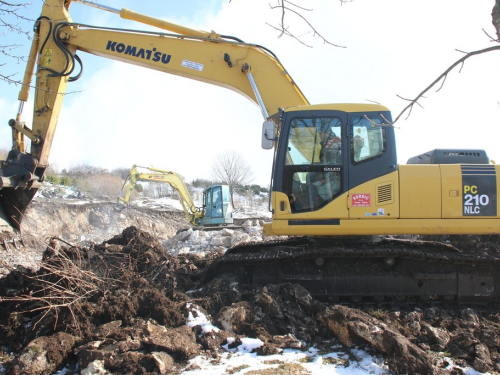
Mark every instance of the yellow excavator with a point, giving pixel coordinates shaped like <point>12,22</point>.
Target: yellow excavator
<point>216,209</point>
<point>336,181</point>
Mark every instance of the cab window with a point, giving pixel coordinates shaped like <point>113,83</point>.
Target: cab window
<point>367,138</point>
<point>314,141</point>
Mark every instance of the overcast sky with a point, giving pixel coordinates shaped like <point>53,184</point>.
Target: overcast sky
<point>118,115</point>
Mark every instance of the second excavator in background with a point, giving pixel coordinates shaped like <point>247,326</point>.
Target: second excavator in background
<point>216,209</point>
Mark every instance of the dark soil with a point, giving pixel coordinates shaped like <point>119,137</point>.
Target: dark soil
<point>123,304</point>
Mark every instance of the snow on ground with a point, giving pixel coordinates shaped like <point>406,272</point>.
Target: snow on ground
<point>241,359</point>
<point>336,361</point>
<point>49,190</point>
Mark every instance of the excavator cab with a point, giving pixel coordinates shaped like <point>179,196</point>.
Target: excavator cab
<point>217,208</point>
<point>325,152</point>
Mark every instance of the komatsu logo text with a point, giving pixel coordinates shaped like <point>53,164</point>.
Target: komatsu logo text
<point>146,54</point>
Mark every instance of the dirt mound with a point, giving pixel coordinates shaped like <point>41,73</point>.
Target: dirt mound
<point>122,307</point>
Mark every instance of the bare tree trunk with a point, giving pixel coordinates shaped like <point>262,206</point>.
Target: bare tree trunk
<point>231,168</point>
<point>495,15</point>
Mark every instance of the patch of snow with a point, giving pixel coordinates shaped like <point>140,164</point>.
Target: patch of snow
<point>451,365</point>
<point>159,203</point>
<point>310,360</point>
<point>200,320</point>
<point>248,345</point>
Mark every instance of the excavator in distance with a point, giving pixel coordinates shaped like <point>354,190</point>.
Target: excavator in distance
<point>216,210</point>
<point>335,182</point>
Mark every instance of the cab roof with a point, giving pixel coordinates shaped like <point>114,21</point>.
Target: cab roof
<point>345,107</point>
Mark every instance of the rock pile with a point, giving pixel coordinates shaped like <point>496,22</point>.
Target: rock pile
<point>199,241</point>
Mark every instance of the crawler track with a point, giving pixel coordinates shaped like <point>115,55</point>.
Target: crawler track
<point>391,269</point>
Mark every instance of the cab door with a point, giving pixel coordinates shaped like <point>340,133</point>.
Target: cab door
<point>213,205</point>
<point>217,205</point>
<point>207,203</point>
<point>310,164</point>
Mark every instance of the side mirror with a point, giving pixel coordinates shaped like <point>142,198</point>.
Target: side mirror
<point>268,135</point>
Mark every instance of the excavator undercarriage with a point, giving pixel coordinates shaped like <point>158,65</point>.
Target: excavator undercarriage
<point>388,269</point>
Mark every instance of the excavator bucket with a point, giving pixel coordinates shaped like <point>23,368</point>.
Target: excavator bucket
<point>113,217</point>
<point>17,189</point>
<point>13,203</point>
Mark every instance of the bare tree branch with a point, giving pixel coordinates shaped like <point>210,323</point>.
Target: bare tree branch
<point>61,284</point>
<point>285,30</point>
<point>489,36</point>
<point>289,34</point>
<point>12,10</point>
<point>12,21</point>
<point>443,77</point>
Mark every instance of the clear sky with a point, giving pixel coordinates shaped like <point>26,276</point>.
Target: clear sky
<point>118,115</point>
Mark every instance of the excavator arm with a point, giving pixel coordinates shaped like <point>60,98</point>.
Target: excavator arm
<point>193,213</point>
<point>251,70</point>
<point>206,57</point>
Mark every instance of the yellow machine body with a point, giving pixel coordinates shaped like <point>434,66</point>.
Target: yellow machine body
<point>415,199</point>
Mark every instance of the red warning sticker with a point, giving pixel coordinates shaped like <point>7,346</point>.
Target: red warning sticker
<point>361,200</point>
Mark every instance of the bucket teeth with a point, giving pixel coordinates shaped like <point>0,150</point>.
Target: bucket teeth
<point>13,243</point>
<point>17,243</point>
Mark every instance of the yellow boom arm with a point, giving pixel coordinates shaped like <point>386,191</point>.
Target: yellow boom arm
<point>251,70</point>
<point>248,69</point>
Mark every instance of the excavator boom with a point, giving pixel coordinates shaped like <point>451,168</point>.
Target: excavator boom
<point>251,70</point>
